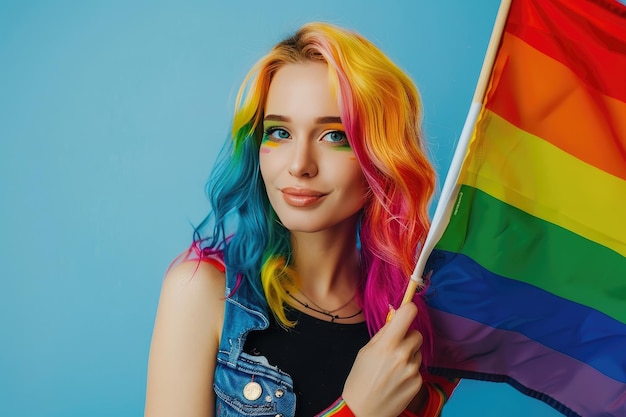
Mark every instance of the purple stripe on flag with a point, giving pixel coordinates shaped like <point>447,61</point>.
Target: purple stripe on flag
<point>466,345</point>
<point>461,286</point>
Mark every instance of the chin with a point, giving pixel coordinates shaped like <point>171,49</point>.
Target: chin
<point>304,227</point>
<point>310,224</point>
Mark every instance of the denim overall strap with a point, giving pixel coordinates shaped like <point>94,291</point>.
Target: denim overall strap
<point>243,312</point>
<point>247,385</point>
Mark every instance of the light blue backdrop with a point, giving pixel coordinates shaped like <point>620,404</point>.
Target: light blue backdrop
<point>111,113</point>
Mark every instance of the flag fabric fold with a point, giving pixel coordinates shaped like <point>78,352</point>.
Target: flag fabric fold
<point>529,276</point>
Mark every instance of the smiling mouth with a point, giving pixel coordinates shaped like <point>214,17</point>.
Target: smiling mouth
<point>300,197</point>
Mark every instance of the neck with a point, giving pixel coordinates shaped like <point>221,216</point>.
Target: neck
<point>327,262</point>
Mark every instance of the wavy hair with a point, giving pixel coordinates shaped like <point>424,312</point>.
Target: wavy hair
<point>381,112</point>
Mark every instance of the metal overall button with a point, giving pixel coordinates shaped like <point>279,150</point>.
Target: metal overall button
<point>252,391</point>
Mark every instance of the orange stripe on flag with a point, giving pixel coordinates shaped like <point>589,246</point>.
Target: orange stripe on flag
<point>552,103</point>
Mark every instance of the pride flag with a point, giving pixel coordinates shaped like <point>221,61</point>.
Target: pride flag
<point>529,270</point>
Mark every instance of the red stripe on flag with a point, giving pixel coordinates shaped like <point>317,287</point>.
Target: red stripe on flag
<point>587,36</point>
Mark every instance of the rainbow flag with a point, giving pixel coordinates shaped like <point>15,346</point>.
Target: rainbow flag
<point>529,273</point>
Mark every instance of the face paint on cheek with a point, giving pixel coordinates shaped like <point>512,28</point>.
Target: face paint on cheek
<point>346,149</point>
<point>267,146</point>
<point>343,148</point>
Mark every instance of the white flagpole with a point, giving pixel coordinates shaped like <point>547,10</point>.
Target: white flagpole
<point>450,187</point>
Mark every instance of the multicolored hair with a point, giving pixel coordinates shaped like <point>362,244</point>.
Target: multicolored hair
<point>381,112</point>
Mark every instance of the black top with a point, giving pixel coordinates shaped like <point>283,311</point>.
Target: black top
<point>317,354</point>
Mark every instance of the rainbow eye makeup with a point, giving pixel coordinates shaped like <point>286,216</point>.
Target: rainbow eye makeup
<point>271,136</point>
<point>331,134</point>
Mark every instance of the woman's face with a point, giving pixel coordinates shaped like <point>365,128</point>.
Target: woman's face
<point>311,175</point>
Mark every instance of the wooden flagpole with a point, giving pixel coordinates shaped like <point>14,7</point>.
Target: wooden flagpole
<point>450,187</point>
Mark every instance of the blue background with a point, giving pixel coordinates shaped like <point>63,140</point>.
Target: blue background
<point>111,114</point>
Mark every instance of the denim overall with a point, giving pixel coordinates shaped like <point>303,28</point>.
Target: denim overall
<point>247,385</point>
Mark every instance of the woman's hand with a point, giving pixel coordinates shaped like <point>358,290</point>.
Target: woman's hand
<point>385,376</point>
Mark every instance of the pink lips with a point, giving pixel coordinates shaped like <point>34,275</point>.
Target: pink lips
<point>300,197</point>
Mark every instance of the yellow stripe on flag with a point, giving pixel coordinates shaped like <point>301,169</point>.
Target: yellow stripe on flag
<point>535,176</point>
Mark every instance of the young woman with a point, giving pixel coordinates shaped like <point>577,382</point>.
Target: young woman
<point>319,208</point>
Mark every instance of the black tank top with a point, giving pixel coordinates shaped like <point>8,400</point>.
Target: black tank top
<point>317,354</point>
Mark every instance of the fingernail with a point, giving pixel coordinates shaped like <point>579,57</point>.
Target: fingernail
<point>392,311</point>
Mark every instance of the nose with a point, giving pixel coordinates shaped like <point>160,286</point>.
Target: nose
<point>303,160</point>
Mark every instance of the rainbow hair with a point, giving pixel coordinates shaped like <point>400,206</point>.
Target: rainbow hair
<point>381,112</point>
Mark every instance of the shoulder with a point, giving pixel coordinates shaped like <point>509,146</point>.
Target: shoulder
<point>185,340</point>
<point>192,300</point>
<point>189,276</point>
<point>193,291</point>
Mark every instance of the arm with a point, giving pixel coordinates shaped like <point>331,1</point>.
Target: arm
<point>185,342</point>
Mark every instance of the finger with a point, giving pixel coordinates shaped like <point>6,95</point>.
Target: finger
<point>418,358</point>
<point>405,322</point>
<point>402,319</point>
<point>411,346</point>
<point>414,339</point>
<point>413,343</point>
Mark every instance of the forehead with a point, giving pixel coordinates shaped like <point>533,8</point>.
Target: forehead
<point>302,89</point>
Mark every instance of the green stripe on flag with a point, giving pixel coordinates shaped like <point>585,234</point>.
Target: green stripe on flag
<point>514,244</point>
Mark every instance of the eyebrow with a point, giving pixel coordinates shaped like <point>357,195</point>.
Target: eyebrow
<point>318,120</point>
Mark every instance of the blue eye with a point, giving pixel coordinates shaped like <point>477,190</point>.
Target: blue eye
<point>276,133</point>
<point>336,137</point>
